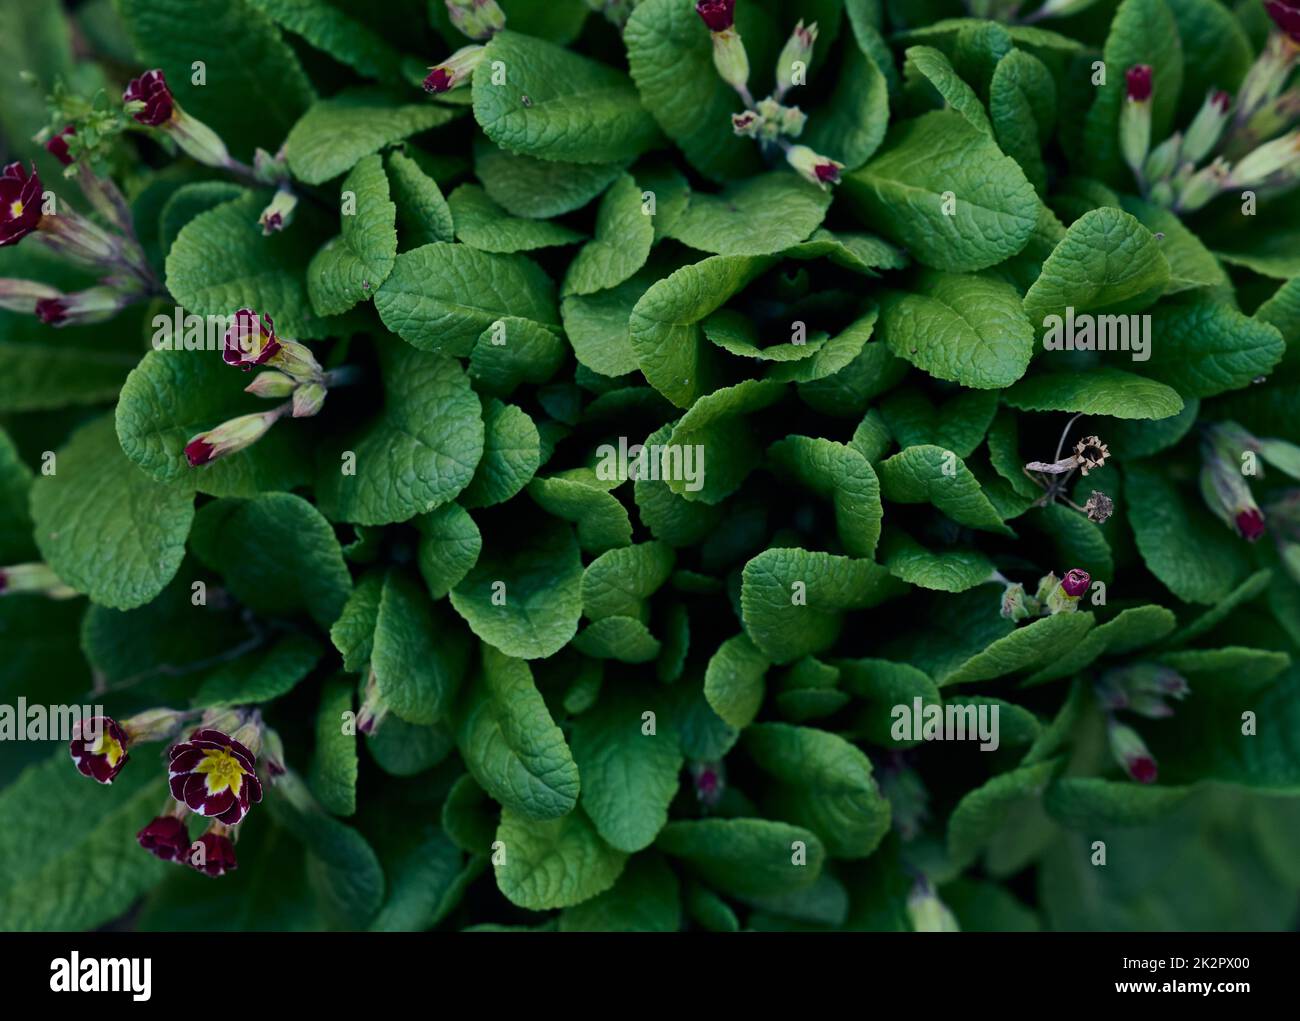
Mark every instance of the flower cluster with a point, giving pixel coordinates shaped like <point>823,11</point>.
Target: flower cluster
<point>1054,595</point>
<point>478,19</point>
<point>1253,143</point>
<point>210,774</point>
<point>770,122</point>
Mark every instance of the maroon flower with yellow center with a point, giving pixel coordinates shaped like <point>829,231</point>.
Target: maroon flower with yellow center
<point>213,774</point>
<point>250,341</point>
<point>57,146</point>
<point>20,203</point>
<point>98,748</point>
<point>215,855</point>
<point>151,90</point>
<point>166,838</point>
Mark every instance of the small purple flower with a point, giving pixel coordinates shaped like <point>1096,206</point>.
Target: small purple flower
<point>1250,524</point>
<point>165,838</point>
<point>719,15</point>
<point>1286,16</point>
<point>151,90</point>
<point>1075,582</point>
<point>1138,80</point>
<point>250,341</point>
<point>57,146</point>
<point>101,756</point>
<point>218,853</point>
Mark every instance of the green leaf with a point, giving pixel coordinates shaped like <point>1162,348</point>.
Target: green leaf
<point>985,810</point>
<point>901,192</point>
<point>823,783</point>
<point>423,215</point>
<point>1142,32</point>
<point>665,324</point>
<point>958,426</point>
<point>842,475</point>
<point>1099,390</point>
<point>333,775</point>
<point>625,639</point>
<point>733,682</point>
<point>336,133</point>
<point>469,816</point>
<point>1191,264</point>
<point>557,105</point>
<point>670,517</point>
<point>484,225</point>
<point>353,634</point>
<point>1028,646</point>
<point>850,127</point>
<point>450,544</point>
<point>944,570</point>
<point>1243,593</point>
<point>347,40</point>
<point>417,453</point>
<point>251,101</point>
<point>510,744</point>
<point>73,366</point>
<point>736,334</point>
<point>524,596</point>
<point>16,543</point>
<point>629,777</point>
<point>1194,555</point>
<point>441,297</point>
<point>105,527</point>
<point>348,268</point>
<point>1107,263</point>
<point>645,899</point>
<point>716,422</point>
<point>793,600</point>
<point>553,863</point>
<point>925,64</point>
<point>844,371</point>
<point>745,857</point>
<point>1130,629</point>
<point>511,455</point>
<point>221,262</point>
<point>760,215</point>
<point>884,685</point>
<point>1022,106</point>
<point>930,474</point>
<point>581,497</point>
<point>618,582</point>
<point>45,883</point>
<point>862,253</point>
<point>969,329</point>
<point>1216,49</point>
<point>172,396</point>
<point>419,654</point>
<point>671,59</point>
<point>624,234</point>
<point>1205,348</point>
<point>189,201</point>
<point>277,554</point>
<point>513,351</point>
<point>524,186</point>
<point>597,325</point>
<point>1084,802</point>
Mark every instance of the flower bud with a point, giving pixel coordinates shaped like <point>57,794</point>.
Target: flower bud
<point>1207,126</point>
<point>271,384</point>
<point>709,779</point>
<point>820,170</point>
<point>455,71</point>
<point>373,707</point>
<point>214,775</point>
<point>297,361</point>
<point>160,724</point>
<point>167,837</point>
<point>149,100</point>
<point>718,15</point>
<point>308,399</point>
<point>1063,597</point>
<point>228,438</point>
<point>215,854</point>
<point>478,19</point>
<point>747,124</point>
<point>927,912</point>
<point>1131,752</point>
<point>18,295</point>
<point>1164,158</point>
<point>57,145</point>
<point>1135,118</point>
<point>1203,186</point>
<point>1286,16</point>
<point>1223,486</point>
<point>279,214</point>
<point>798,49</point>
<point>1016,605</point>
<point>79,308</point>
<point>731,60</point>
<point>1275,162</point>
<point>1075,583</point>
<point>98,748</point>
<point>36,579</point>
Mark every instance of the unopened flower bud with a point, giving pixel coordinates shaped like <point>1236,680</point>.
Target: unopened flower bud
<point>731,60</point>
<point>1223,486</point>
<point>455,71</point>
<point>271,384</point>
<point>1203,186</point>
<point>33,579</point>
<point>167,837</point>
<point>278,215</point>
<point>710,782</point>
<point>80,308</point>
<point>297,361</point>
<point>308,399</point>
<point>1135,117</point>
<point>160,724</point>
<point>927,912</point>
<point>1131,752</point>
<point>820,170</point>
<point>228,438</point>
<point>1207,126</point>
<point>1274,162</point>
<point>18,295</point>
<point>57,145</point>
<point>98,748</point>
<point>747,123</point>
<point>798,51</point>
<point>1163,158</point>
<point>718,15</point>
<point>215,854</point>
<point>1015,604</point>
<point>478,19</point>
<point>373,707</point>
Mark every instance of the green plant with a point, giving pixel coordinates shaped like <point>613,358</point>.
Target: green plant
<point>825,464</point>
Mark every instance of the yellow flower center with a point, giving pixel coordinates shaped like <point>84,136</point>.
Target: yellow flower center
<point>16,208</point>
<point>109,747</point>
<point>223,771</point>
